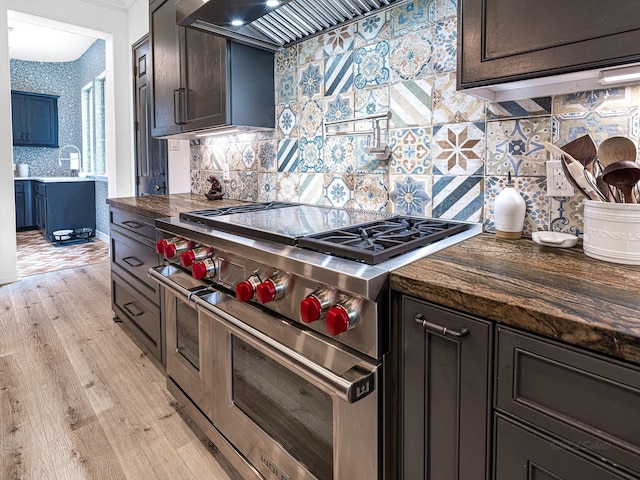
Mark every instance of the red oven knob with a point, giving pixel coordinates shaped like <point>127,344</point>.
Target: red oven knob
<point>338,320</point>
<point>190,257</point>
<point>160,244</point>
<point>244,291</point>
<point>266,292</point>
<point>310,309</point>
<point>172,248</point>
<point>204,269</point>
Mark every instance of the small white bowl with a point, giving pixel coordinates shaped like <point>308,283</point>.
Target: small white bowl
<point>61,235</point>
<point>554,239</point>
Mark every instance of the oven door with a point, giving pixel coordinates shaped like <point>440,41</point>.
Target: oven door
<point>291,416</point>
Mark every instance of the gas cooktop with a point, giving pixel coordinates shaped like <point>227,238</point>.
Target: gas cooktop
<point>368,237</point>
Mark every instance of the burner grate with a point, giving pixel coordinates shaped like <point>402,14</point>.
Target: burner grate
<point>201,216</point>
<point>375,242</point>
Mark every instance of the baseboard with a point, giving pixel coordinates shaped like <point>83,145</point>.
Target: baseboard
<point>9,277</point>
<point>102,236</point>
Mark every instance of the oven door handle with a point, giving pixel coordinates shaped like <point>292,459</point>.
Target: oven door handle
<point>352,386</point>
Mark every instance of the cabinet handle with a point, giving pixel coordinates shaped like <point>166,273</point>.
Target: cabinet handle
<point>132,224</point>
<point>176,110</point>
<point>432,327</point>
<point>184,112</point>
<point>131,312</point>
<point>132,261</point>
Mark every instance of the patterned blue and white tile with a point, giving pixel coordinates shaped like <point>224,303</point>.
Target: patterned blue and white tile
<point>412,55</point>
<point>337,189</point>
<point>458,149</point>
<point>372,29</point>
<point>371,65</point>
<point>288,155</point>
<point>371,192</point>
<point>288,189</point>
<point>532,107</point>
<point>195,181</point>
<point>339,40</point>
<point>310,152</point>
<point>452,106</point>
<point>287,86</point>
<point>195,158</point>
<point>267,156</point>
<point>445,38</point>
<point>411,194</point>
<point>233,186</point>
<point>310,118</point>
<point>517,146</point>
<point>234,156</point>
<point>340,154</point>
<point>311,83</point>
<point>287,115</point>
<point>567,215</point>
<point>204,179</point>
<point>249,155</point>
<point>371,101</point>
<point>286,59</point>
<point>411,103</point>
<point>444,9</point>
<point>411,16</point>
<point>312,188</point>
<point>267,186</point>
<point>338,73</point>
<point>597,100</point>
<point>410,151</point>
<point>339,107</point>
<point>311,50</point>
<point>534,192</point>
<point>213,156</point>
<point>458,198</point>
<point>249,186</point>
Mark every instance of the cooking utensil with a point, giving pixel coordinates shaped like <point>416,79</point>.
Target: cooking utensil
<point>584,150</point>
<point>624,175</point>
<point>607,190</point>
<point>581,179</point>
<point>615,149</point>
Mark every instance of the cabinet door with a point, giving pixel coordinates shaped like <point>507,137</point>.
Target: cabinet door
<point>41,118</point>
<point>204,67</point>
<point>445,394</point>
<point>20,210</point>
<point>41,212</point>
<point>525,454</point>
<point>165,82</point>
<point>17,119</point>
<point>506,40</point>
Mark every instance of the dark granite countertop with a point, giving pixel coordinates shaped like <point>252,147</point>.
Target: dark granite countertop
<point>158,206</point>
<point>559,293</point>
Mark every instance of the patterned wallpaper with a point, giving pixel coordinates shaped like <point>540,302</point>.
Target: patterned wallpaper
<point>66,80</point>
<point>450,152</point>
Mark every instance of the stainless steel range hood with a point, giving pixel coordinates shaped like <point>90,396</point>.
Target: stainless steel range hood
<point>274,27</point>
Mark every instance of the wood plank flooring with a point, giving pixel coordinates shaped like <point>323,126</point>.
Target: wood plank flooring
<point>79,397</point>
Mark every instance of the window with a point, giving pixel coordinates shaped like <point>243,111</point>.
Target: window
<point>93,152</point>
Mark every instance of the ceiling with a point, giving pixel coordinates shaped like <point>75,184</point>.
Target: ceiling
<point>37,39</point>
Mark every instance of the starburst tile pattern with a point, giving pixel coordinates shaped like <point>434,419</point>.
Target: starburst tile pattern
<point>340,154</point>
<point>338,73</point>
<point>517,146</point>
<point>337,189</point>
<point>458,198</point>
<point>311,81</point>
<point>267,156</point>
<point>458,149</point>
<point>339,40</point>
<point>339,107</point>
<point>410,194</point>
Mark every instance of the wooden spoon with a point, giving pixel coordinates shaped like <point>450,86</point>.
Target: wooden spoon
<point>584,150</point>
<point>615,149</point>
<point>576,174</point>
<point>624,175</point>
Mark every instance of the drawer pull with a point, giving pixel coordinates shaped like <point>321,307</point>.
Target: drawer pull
<point>131,312</point>
<point>432,327</point>
<point>132,261</point>
<point>132,224</point>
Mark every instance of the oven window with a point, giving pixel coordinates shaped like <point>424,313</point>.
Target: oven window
<point>293,412</point>
<point>187,336</point>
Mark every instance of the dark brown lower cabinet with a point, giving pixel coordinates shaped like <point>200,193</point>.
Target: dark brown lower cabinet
<point>445,393</point>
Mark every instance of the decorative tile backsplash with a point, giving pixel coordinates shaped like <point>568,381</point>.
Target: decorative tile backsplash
<point>450,152</point>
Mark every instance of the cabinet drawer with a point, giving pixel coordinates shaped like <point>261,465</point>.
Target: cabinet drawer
<point>588,399</point>
<point>523,454</point>
<point>135,259</point>
<point>137,311</point>
<point>134,223</point>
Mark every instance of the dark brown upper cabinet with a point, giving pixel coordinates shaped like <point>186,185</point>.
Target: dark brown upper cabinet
<point>34,119</point>
<point>502,42</point>
<point>202,81</point>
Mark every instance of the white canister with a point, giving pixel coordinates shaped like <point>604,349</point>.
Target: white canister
<point>612,231</point>
<point>508,213</point>
<point>23,169</point>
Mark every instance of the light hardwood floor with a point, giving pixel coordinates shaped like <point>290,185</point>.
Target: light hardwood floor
<point>79,398</point>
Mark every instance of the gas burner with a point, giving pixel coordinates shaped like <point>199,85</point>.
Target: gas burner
<point>200,215</point>
<point>375,242</point>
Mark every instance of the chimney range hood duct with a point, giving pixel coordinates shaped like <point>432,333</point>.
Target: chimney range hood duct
<point>273,28</point>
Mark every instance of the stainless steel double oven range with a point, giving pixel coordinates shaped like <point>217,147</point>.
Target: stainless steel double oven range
<point>278,326</point>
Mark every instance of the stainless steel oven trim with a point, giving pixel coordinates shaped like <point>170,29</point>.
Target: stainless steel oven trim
<point>351,386</point>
